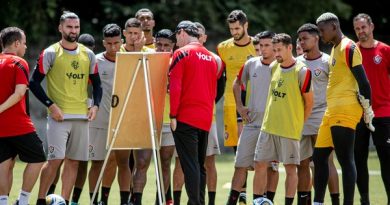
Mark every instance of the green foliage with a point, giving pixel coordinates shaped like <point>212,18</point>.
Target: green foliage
<point>40,17</point>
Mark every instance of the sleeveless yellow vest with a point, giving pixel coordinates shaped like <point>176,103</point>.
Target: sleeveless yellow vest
<point>67,80</point>
<point>284,113</point>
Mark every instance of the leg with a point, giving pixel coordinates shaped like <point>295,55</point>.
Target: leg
<point>260,178</point>
<point>272,182</point>
<point>142,162</point>
<point>202,148</point>
<point>52,187</point>
<point>11,175</point>
<point>321,172</point>
<point>381,138</point>
<point>361,156</point>
<point>48,173</point>
<point>68,177</point>
<point>93,176</point>
<point>186,141</point>
<point>333,182</point>
<point>343,139</point>
<point>178,181</point>
<point>304,181</point>
<point>30,175</point>
<point>124,174</point>
<point>242,198</point>
<point>80,181</point>
<point>211,177</point>
<point>291,182</point>
<point>4,176</point>
<point>166,154</point>
<point>108,177</point>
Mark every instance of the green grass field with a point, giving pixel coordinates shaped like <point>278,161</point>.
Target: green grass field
<point>225,171</point>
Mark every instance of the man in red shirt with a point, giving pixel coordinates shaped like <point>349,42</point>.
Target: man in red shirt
<point>376,62</point>
<point>193,85</point>
<point>17,132</point>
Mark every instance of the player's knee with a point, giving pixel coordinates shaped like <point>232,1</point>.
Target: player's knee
<point>142,163</point>
<point>261,166</point>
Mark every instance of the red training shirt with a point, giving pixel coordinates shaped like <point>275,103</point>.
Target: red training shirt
<point>376,62</point>
<point>13,121</point>
<point>193,85</point>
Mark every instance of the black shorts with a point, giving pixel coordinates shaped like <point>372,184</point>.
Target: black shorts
<point>243,100</point>
<point>381,136</point>
<point>28,147</point>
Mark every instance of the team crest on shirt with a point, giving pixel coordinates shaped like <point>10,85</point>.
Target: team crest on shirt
<point>333,61</point>
<point>317,72</point>
<point>51,149</point>
<point>75,64</point>
<point>90,148</point>
<point>377,59</point>
<point>280,82</point>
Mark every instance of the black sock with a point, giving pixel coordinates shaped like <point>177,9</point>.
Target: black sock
<point>242,196</point>
<point>41,201</point>
<point>136,198</point>
<point>96,197</point>
<point>168,195</point>
<point>288,201</point>
<point>105,194</point>
<point>255,196</point>
<point>66,202</point>
<point>335,197</point>
<point>233,197</point>
<point>124,197</point>
<point>51,189</point>
<point>176,197</point>
<point>303,197</point>
<point>270,195</point>
<point>76,194</point>
<point>211,197</point>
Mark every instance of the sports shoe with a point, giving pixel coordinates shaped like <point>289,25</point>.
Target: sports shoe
<point>16,202</point>
<point>101,203</point>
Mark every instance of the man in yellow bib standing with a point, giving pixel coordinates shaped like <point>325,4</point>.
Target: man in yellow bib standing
<point>234,52</point>
<point>347,86</point>
<point>67,66</point>
<point>289,104</point>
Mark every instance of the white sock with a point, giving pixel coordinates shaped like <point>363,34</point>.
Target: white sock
<point>23,197</point>
<point>317,203</point>
<point>3,200</point>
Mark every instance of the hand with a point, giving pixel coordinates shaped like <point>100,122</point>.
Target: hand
<point>173,124</point>
<point>92,112</point>
<point>139,43</point>
<point>243,111</point>
<point>368,114</point>
<point>56,113</point>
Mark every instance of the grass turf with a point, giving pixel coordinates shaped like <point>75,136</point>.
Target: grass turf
<point>225,172</point>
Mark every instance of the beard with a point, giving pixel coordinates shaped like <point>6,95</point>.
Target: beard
<point>71,38</point>
<point>239,37</point>
<point>279,59</point>
<point>363,37</point>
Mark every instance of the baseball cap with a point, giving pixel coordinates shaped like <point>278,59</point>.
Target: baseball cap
<point>165,33</point>
<point>187,26</point>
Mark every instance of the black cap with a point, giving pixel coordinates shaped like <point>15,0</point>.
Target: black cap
<point>188,27</point>
<point>165,33</point>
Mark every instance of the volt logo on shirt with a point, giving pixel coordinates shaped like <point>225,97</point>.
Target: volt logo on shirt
<point>278,94</point>
<point>202,56</point>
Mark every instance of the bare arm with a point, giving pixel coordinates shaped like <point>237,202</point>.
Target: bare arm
<point>237,96</point>
<point>308,104</point>
<point>20,90</point>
